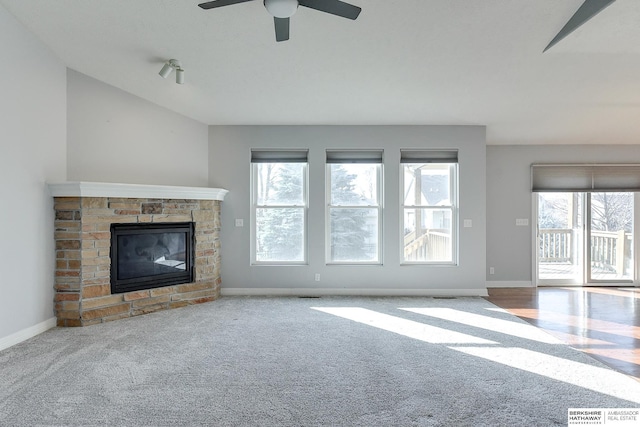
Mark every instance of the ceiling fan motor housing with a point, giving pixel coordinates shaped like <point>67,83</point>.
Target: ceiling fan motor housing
<point>281,8</point>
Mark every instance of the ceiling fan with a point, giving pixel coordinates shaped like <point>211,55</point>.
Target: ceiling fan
<point>282,10</point>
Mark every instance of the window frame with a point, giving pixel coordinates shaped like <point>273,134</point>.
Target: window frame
<point>379,207</point>
<point>452,208</point>
<point>255,207</point>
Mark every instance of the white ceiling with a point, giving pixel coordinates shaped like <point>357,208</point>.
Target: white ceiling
<point>468,62</point>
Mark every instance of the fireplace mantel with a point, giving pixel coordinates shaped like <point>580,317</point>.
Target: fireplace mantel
<point>105,189</point>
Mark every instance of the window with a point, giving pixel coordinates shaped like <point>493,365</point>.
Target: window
<point>354,209</point>
<point>429,183</point>
<point>280,203</point>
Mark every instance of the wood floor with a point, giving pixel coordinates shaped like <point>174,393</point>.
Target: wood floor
<point>602,322</point>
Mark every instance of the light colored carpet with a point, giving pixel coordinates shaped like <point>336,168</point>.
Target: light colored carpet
<point>333,361</point>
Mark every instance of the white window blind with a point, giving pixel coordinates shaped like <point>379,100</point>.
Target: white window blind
<point>585,177</point>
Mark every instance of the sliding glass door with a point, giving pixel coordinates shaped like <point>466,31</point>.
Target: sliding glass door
<point>585,238</point>
<point>560,258</point>
<point>611,237</point>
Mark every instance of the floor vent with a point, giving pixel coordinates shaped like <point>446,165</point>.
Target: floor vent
<point>307,296</point>
<point>444,297</point>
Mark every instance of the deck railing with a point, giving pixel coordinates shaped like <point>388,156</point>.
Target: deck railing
<point>431,245</point>
<point>609,249</point>
<point>556,245</point>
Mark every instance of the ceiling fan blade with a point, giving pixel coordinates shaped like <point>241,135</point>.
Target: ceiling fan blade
<point>588,10</point>
<point>220,3</point>
<point>334,7</point>
<point>282,29</point>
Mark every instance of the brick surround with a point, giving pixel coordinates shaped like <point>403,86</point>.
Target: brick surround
<point>83,238</point>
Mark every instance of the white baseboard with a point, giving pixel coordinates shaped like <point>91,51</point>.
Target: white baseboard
<point>352,292</point>
<point>27,333</point>
<point>510,284</point>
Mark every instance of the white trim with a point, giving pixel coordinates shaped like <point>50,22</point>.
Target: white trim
<point>636,239</point>
<point>510,284</point>
<point>27,333</point>
<point>479,292</point>
<point>535,251</point>
<point>105,189</point>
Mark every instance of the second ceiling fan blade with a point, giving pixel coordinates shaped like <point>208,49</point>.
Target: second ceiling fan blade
<point>220,3</point>
<point>334,7</point>
<point>588,10</point>
<point>282,29</point>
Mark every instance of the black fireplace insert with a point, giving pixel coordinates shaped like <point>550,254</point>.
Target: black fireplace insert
<point>145,256</point>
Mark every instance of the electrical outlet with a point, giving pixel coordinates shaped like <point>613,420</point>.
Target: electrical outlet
<point>317,277</point>
<point>239,222</point>
<point>492,270</point>
<point>467,223</point>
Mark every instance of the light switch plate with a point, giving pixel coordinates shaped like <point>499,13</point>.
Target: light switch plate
<point>239,222</point>
<point>520,222</point>
<point>468,223</point>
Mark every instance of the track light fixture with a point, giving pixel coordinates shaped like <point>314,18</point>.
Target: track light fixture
<point>169,66</point>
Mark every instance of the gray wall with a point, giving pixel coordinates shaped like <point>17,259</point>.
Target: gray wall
<point>509,248</point>
<point>118,137</point>
<point>33,124</point>
<point>229,160</point>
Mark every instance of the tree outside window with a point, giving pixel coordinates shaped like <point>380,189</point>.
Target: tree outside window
<point>354,213</point>
<point>280,203</point>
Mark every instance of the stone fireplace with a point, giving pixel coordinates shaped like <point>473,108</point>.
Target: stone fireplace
<point>84,215</point>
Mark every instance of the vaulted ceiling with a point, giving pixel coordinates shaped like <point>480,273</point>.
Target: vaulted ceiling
<point>465,62</point>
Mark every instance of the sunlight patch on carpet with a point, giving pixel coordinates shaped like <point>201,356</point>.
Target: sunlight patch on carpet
<point>602,380</point>
<point>508,327</point>
<point>591,377</point>
<point>408,328</point>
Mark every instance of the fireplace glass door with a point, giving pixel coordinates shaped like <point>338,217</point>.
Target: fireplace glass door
<point>145,256</point>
